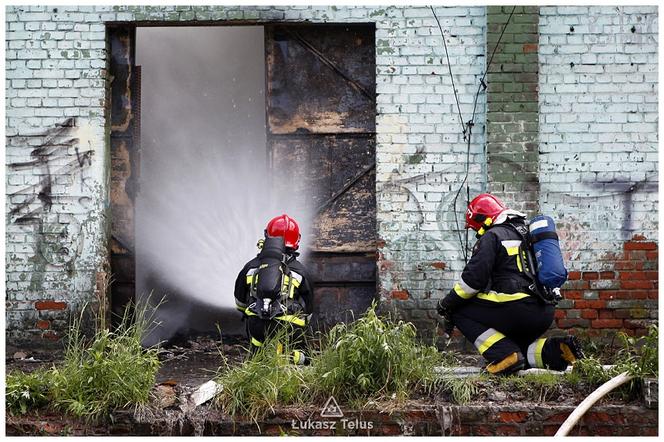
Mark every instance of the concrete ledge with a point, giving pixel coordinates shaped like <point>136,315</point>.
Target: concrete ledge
<point>522,419</point>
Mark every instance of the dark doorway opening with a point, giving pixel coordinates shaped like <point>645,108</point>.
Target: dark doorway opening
<point>218,106</point>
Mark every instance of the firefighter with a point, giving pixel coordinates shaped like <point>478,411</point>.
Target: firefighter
<point>492,304</point>
<point>289,305</point>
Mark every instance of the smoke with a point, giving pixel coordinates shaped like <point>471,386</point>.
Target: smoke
<point>206,193</point>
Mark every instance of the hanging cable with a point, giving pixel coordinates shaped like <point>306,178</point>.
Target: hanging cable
<point>449,66</point>
<point>467,129</point>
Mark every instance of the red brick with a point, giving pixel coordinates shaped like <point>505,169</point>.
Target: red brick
<point>632,275</point>
<point>569,323</point>
<point>639,294</point>
<point>439,265</point>
<point>636,255</point>
<point>653,294</point>
<point>637,284</point>
<point>43,325</point>
<point>652,275</point>
<point>573,294</point>
<point>606,314</point>
<point>507,430</point>
<point>598,416</point>
<point>637,323</point>
<point>557,418</point>
<point>625,265</point>
<point>634,245</point>
<point>529,47</point>
<point>573,276</point>
<point>50,335</point>
<point>512,416</point>
<point>559,313</point>
<point>652,255</point>
<point>607,275</point>
<point>622,313</point>
<point>590,276</point>
<point>589,314</point>
<point>400,294</point>
<point>595,303</point>
<point>607,323</point>
<point>50,305</point>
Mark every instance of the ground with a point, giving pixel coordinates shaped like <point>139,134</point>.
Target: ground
<point>189,363</point>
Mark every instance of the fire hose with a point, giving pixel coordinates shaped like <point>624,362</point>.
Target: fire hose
<point>588,402</point>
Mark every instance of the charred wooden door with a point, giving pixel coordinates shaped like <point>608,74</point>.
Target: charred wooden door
<point>321,135</point>
<point>125,140</point>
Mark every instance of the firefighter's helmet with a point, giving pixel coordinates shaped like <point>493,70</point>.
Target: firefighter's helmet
<point>286,227</point>
<point>483,211</point>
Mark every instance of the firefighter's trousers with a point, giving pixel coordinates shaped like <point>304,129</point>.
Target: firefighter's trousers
<point>507,334</point>
<point>258,330</point>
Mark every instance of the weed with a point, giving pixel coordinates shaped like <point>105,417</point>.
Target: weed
<point>25,391</point>
<point>266,379</point>
<point>373,358</point>
<point>111,370</point>
<point>461,389</point>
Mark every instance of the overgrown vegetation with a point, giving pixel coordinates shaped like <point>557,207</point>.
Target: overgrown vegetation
<point>111,370</point>
<point>637,356</point>
<point>370,359</point>
<point>373,358</point>
<point>263,381</point>
<point>26,391</point>
<point>377,359</point>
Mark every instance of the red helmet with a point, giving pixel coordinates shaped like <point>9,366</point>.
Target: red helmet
<point>285,226</point>
<point>481,208</point>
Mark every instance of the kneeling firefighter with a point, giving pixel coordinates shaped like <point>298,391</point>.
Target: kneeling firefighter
<point>499,304</point>
<point>273,291</point>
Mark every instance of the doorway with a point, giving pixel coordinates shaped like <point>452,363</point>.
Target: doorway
<point>217,129</point>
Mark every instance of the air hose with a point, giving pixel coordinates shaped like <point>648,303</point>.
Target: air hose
<point>588,402</point>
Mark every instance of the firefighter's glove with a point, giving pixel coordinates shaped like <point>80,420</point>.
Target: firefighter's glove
<point>444,309</point>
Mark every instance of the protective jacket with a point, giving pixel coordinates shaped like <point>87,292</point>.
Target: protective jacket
<point>495,273</point>
<point>302,295</point>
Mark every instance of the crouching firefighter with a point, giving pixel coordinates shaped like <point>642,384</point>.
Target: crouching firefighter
<point>500,303</point>
<point>273,292</point>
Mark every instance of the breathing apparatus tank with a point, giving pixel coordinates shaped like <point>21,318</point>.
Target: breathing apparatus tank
<point>551,271</point>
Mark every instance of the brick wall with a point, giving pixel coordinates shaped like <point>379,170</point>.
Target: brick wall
<point>512,111</point>
<point>598,159</point>
<point>597,165</point>
<point>421,153</point>
<point>426,420</point>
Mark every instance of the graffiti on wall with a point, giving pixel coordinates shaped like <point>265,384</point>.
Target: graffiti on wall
<point>56,159</point>
<point>432,242</point>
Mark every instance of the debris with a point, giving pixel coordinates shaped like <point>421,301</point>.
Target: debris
<point>165,395</point>
<point>20,355</point>
<point>497,396</point>
<point>205,392</point>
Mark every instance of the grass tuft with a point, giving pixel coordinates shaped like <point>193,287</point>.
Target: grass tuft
<point>373,358</point>
<point>266,379</point>
<point>111,370</point>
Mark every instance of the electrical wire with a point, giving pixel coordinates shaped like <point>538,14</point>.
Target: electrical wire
<point>467,129</point>
<point>449,66</point>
